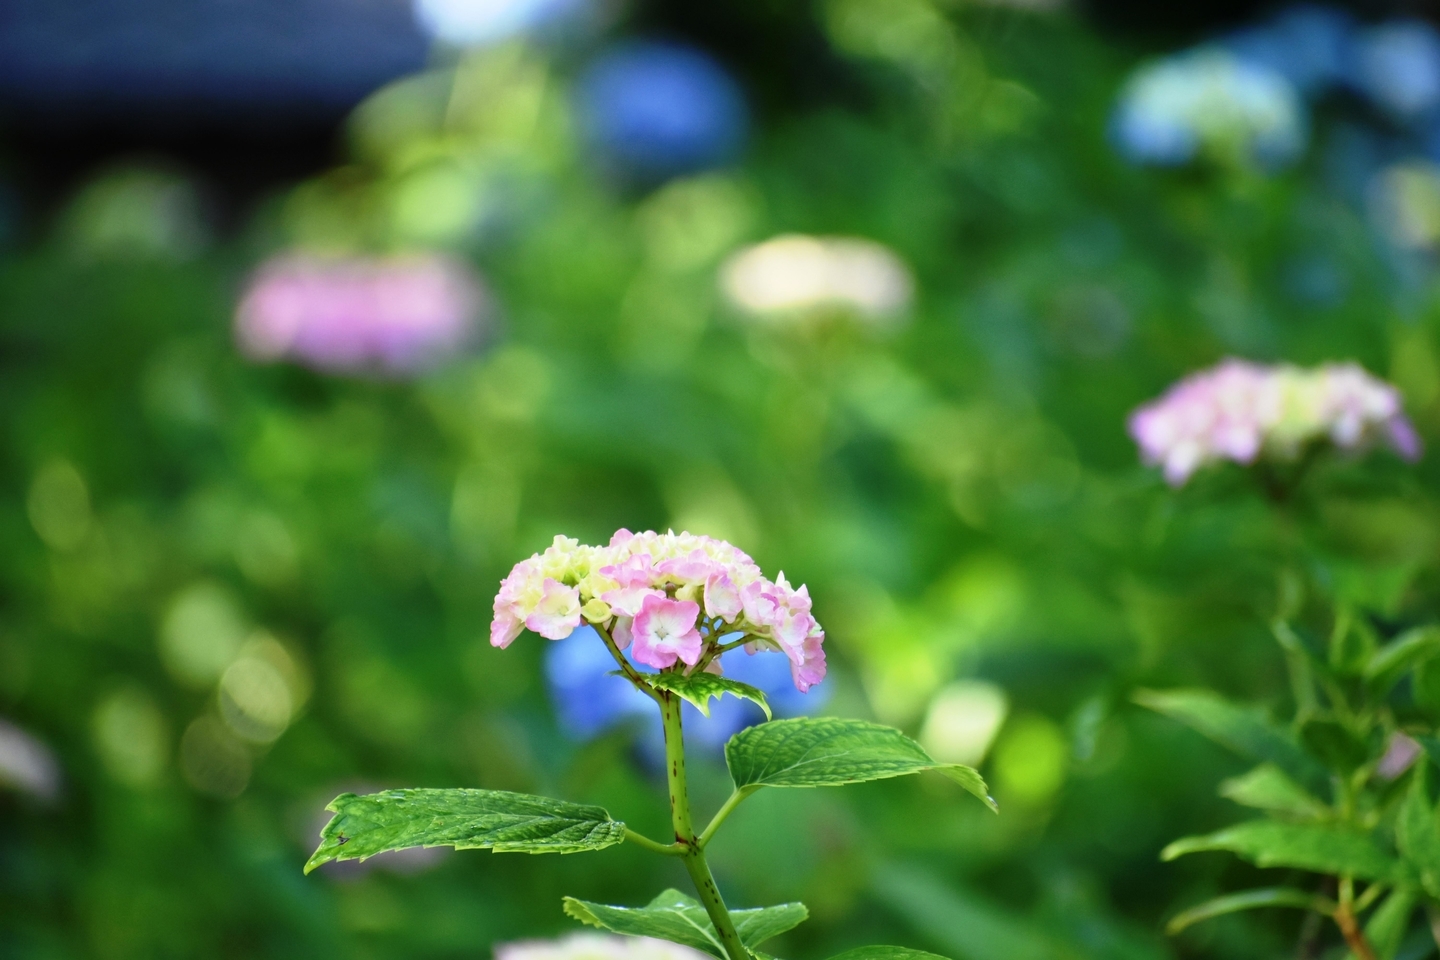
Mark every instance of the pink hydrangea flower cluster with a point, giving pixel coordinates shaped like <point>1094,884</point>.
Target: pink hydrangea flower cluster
<point>394,315</point>
<point>668,597</point>
<point>1238,410</point>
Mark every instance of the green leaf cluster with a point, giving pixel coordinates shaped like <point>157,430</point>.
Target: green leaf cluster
<point>1342,788</point>
<point>803,752</point>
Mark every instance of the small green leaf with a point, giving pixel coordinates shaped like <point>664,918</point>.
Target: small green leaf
<point>1249,900</point>
<point>1387,925</point>
<point>1314,847</point>
<point>1246,731</point>
<point>1417,834</point>
<point>1267,788</point>
<point>830,751</point>
<point>701,687</point>
<point>680,919</point>
<point>1388,664</point>
<point>886,953</point>
<point>463,819</point>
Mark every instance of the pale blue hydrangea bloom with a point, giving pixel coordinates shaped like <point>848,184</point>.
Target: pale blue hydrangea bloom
<point>1209,101</point>
<point>467,23</point>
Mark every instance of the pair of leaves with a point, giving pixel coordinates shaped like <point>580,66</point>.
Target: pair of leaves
<point>1384,930</point>
<point>463,819</point>
<point>700,688</point>
<point>832,751</point>
<point>786,753</point>
<point>680,919</point>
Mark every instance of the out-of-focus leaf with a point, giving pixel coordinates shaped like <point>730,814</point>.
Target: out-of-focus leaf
<point>1335,744</point>
<point>700,688</point>
<point>885,953</point>
<point>970,927</point>
<point>1301,664</point>
<point>1245,730</point>
<point>1249,900</point>
<point>1388,664</point>
<point>966,926</point>
<point>831,751</point>
<point>1321,849</point>
<point>464,819</point>
<point>1432,748</point>
<point>681,919</point>
<point>1268,788</point>
<point>1352,643</point>
<point>1387,925</point>
<point>1417,834</point>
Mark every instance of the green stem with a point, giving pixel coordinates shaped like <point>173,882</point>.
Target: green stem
<point>639,839</point>
<point>694,855</point>
<point>736,796</point>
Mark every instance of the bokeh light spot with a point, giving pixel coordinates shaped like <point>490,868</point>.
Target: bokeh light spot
<point>130,736</point>
<point>59,506</point>
<point>213,760</point>
<point>201,634</point>
<point>963,720</point>
<point>1030,760</point>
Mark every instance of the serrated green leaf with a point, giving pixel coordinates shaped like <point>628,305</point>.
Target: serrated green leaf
<point>700,688</point>
<point>1314,847</point>
<point>831,751</point>
<point>681,919</point>
<point>1417,834</point>
<point>1388,664</point>
<point>1249,900</point>
<point>1268,788</point>
<point>1246,731</point>
<point>464,819</point>
<point>886,953</point>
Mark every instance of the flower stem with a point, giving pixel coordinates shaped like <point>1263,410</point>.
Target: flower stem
<point>694,855</point>
<point>1349,927</point>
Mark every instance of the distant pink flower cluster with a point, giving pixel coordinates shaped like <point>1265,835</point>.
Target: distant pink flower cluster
<point>394,315</point>
<point>1238,410</point>
<point>669,597</point>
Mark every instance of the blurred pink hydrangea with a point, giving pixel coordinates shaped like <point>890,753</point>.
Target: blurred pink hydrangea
<point>672,595</point>
<point>1238,410</point>
<point>391,315</point>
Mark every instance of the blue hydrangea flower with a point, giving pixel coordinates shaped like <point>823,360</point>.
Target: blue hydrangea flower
<point>1208,101</point>
<point>1397,65</point>
<point>657,109</point>
<point>589,699</point>
<point>1311,46</point>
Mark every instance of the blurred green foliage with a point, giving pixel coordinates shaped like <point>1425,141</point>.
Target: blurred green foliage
<point>231,591</point>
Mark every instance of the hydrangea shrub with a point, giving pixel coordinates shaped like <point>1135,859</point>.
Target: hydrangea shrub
<point>676,603</point>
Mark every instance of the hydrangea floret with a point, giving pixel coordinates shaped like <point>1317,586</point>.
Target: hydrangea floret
<point>1242,411</point>
<point>677,603</point>
<point>668,598</point>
